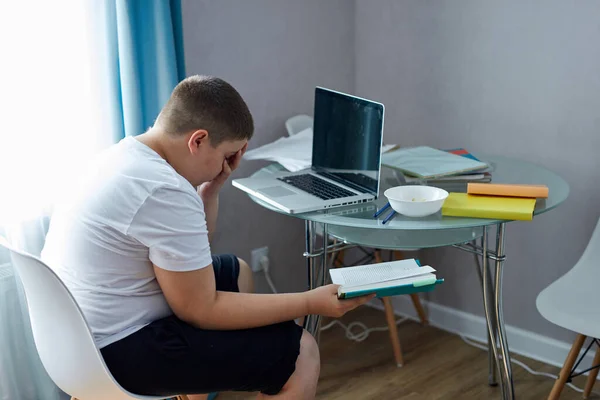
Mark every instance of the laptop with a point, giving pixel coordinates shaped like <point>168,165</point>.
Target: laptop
<point>346,158</point>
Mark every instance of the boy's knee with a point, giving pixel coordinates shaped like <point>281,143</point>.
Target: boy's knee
<point>246,278</point>
<point>309,352</point>
<point>303,383</point>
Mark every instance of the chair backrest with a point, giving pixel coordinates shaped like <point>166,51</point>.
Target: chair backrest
<point>589,262</point>
<point>62,337</point>
<point>298,123</point>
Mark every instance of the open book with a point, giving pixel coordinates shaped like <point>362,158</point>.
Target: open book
<point>384,279</point>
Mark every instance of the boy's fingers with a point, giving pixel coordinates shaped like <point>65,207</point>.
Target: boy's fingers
<point>364,299</point>
<point>236,160</point>
<point>358,301</point>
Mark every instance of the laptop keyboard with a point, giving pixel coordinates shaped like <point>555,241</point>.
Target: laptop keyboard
<point>316,186</point>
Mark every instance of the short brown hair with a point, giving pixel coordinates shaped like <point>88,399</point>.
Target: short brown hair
<point>210,103</point>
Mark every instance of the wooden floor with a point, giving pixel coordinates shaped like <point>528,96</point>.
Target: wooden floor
<point>438,365</point>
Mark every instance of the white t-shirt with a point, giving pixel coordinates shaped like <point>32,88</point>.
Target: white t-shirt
<point>132,209</point>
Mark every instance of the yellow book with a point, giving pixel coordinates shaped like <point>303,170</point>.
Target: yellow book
<point>492,207</point>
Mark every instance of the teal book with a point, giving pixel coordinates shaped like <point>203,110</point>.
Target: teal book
<point>385,279</point>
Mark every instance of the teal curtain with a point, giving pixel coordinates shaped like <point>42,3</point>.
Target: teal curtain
<point>143,60</point>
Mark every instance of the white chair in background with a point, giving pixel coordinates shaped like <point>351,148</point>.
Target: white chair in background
<point>62,337</point>
<point>298,123</point>
<point>573,302</point>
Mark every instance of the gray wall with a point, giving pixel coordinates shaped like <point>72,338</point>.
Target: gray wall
<point>518,78</point>
<point>274,52</point>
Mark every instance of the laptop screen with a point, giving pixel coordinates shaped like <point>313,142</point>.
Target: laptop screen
<point>347,136</point>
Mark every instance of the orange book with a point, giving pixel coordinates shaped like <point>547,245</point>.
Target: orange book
<point>509,190</point>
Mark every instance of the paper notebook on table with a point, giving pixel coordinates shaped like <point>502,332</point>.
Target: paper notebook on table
<point>427,162</point>
<point>510,190</point>
<point>384,279</point>
<point>492,207</point>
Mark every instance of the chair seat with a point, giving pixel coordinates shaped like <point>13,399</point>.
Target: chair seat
<point>572,302</point>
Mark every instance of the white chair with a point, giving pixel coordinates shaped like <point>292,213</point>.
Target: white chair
<point>298,123</point>
<point>62,337</point>
<point>572,302</point>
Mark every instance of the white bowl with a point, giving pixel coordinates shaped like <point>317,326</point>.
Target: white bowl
<point>416,200</point>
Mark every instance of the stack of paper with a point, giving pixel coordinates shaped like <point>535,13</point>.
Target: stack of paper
<point>294,153</point>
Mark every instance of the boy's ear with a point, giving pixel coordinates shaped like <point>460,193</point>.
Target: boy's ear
<point>197,138</point>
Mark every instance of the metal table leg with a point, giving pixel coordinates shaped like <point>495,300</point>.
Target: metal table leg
<point>320,278</point>
<point>492,381</point>
<point>310,267</point>
<point>492,303</point>
<point>492,343</point>
<point>317,273</point>
<point>508,390</point>
<point>488,306</point>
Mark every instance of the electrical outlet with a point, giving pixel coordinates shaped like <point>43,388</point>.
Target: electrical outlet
<point>256,255</point>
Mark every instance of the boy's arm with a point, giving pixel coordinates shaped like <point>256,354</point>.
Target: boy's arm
<point>211,212</point>
<point>209,191</point>
<point>193,298</point>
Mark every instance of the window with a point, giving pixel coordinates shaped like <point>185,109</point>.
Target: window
<point>48,125</point>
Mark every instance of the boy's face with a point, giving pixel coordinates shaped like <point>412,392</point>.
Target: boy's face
<point>209,159</point>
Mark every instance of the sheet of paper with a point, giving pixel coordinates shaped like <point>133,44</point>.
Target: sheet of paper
<point>374,273</point>
<point>294,153</point>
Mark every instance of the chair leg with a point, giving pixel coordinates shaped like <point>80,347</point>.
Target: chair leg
<point>419,307</point>
<point>414,297</point>
<point>391,321</point>
<point>592,376</point>
<point>393,328</point>
<point>566,369</point>
<point>339,259</point>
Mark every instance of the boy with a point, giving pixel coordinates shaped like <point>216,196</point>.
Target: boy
<point>132,245</point>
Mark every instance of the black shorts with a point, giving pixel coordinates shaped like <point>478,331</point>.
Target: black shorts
<point>170,356</point>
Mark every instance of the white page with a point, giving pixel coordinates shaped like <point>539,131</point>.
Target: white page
<point>381,285</point>
<point>293,152</point>
<point>381,272</point>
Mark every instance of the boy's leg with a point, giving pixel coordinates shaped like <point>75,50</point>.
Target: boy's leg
<point>303,382</point>
<point>246,285</point>
<point>170,356</point>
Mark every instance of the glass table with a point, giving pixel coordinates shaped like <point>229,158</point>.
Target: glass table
<point>355,225</point>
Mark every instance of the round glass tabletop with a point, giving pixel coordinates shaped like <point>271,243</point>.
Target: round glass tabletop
<point>504,170</point>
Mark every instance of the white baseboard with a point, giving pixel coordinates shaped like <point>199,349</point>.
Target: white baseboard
<point>526,343</point>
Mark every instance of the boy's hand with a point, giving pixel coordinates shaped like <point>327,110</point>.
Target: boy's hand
<point>324,301</point>
<point>229,165</point>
